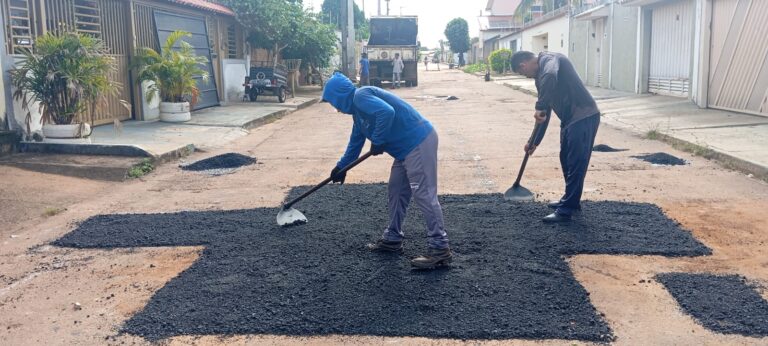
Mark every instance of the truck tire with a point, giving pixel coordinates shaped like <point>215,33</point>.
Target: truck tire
<point>281,95</point>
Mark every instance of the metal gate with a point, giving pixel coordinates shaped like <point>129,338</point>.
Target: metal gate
<point>105,19</point>
<point>738,72</point>
<point>671,47</point>
<point>166,23</point>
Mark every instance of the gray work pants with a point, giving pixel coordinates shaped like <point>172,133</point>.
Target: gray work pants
<point>396,78</point>
<point>416,177</point>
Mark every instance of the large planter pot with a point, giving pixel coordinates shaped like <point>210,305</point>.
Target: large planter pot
<point>67,134</point>
<point>174,112</point>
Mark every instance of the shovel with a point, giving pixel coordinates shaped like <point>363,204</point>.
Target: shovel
<point>518,193</point>
<point>288,216</point>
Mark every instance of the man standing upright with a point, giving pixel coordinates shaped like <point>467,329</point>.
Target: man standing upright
<point>364,69</point>
<point>561,90</point>
<point>397,70</point>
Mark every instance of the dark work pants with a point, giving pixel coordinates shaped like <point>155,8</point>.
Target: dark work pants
<point>576,141</point>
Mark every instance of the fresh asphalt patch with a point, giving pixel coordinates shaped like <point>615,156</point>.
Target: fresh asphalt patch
<point>508,278</point>
<point>220,164</point>
<point>724,304</point>
<point>604,148</point>
<point>661,159</point>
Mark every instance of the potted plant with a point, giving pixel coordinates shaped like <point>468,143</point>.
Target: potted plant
<point>66,79</point>
<point>172,74</point>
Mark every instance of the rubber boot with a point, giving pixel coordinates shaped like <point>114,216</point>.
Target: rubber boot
<point>433,259</point>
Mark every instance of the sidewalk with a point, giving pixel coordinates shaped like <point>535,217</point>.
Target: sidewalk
<point>736,140</point>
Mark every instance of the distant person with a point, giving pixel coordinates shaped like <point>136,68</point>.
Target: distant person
<point>561,90</point>
<point>437,61</point>
<point>396,128</point>
<point>397,70</point>
<point>364,70</point>
<point>426,62</point>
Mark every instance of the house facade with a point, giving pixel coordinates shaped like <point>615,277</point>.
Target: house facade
<point>496,21</point>
<point>713,52</point>
<point>124,26</point>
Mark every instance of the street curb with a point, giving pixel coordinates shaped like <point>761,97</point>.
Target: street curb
<point>725,160</point>
<point>521,89</point>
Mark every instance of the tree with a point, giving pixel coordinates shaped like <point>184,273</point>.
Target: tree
<point>271,24</point>
<point>330,11</point>
<point>457,32</point>
<point>318,45</point>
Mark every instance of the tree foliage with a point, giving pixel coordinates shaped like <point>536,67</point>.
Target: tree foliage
<point>499,60</point>
<point>271,24</point>
<point>457,32</point>
<point>330,13</point>
<point>317,46</point>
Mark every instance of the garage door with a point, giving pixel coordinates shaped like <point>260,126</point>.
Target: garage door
<point>671,46</point>
<point>166,23</point>
<point>738,72</point>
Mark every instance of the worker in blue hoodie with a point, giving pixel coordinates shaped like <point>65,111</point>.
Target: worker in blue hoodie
<point>396,128</point>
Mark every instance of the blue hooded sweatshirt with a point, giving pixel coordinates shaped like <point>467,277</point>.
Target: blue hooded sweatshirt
<point>378,115</point>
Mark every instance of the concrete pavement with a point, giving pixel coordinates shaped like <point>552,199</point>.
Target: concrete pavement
<point>736,140</point>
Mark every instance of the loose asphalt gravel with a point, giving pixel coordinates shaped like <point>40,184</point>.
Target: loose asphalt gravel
<point>604,148</point>
<point>223,161</point>
<point>725,304</point>
<point>508,278</point>
<point>661,159</point>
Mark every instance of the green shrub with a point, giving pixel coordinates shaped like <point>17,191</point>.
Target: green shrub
<point>474,68</point>
<point>499,60</point>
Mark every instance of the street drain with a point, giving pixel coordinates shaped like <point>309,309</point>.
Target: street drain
<point>661,159</point>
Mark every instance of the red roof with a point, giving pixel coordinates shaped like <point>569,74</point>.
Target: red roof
<point>205,5</point>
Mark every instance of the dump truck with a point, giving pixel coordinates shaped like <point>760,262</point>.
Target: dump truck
<point>390,35</point>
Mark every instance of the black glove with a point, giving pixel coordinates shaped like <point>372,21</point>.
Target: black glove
<point>377,149</point>
<point>337,177</point>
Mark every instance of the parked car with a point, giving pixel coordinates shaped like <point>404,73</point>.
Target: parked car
<point>267,78</point>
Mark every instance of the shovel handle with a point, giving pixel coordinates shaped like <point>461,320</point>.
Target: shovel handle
<point>525,159</point>
<point>327,180</point>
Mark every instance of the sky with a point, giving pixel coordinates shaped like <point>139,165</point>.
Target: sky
<point>433,14</point>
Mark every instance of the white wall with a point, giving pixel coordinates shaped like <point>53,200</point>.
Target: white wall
<point>234,74</point>
<point>556,31</point>
<point>508,41</point>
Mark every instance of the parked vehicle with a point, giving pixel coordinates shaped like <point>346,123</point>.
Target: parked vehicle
<point>267,78</point>
<point>390,35</point>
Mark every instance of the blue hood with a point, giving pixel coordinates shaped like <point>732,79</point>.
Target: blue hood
<point>339,92</point>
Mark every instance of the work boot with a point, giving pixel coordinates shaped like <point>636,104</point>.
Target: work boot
<point>556,218</point>
<point>382,245</point>
<point>433,259</point>
<point>555,204</point>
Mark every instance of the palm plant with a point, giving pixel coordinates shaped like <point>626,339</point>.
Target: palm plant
<point>172,71</point>
<point>67,73</point>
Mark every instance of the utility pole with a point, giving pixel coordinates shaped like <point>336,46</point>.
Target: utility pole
<point>379,12</point>
<point>346,18</point>
<point>387,6</point>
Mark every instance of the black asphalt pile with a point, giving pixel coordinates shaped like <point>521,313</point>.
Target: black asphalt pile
<point>724,304</point>
<point>508,278</point>
<point>661,159</point>
<point>604,148</point>
<point>228,160</point>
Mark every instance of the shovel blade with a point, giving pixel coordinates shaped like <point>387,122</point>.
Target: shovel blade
<point>290,217</point>
<point>518,193</point>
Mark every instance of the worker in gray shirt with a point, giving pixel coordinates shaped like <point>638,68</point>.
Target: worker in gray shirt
<point>561,90</point>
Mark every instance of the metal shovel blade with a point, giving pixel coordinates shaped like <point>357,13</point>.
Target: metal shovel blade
<point>290,217</point>
<point>517,193</point>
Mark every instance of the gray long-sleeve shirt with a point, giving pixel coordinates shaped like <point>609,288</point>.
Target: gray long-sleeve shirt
<point>561,90</point>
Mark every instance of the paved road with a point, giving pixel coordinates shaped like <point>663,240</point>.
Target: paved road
<point>481,139</point>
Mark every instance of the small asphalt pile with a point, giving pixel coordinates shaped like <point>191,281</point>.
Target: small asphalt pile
<point>220,164</point>
<point>508,278</point>
<point>603,148</point>
<point>661,159</point>
<point>725,304</point>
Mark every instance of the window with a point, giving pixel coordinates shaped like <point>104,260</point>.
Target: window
<point>20,19</point>
<point>231,42</point>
